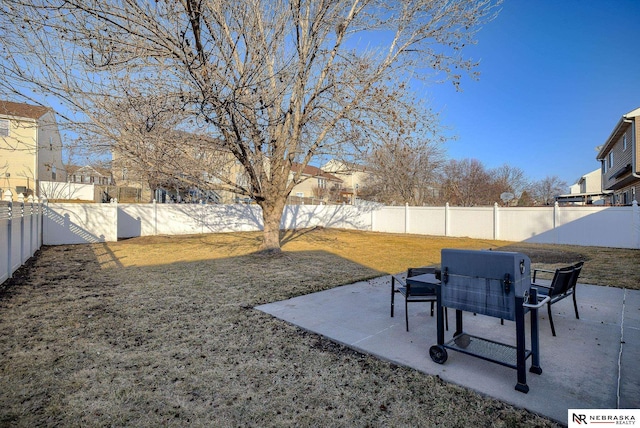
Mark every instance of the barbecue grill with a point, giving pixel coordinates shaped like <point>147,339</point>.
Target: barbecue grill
<point>496,284</point>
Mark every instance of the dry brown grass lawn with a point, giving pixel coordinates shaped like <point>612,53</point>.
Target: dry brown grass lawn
<point>160,331</point>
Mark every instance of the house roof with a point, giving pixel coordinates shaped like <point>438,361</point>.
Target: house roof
<point>618,131</point>
<point>10,108</point>
<point>313,171</point>
<point>342,167</point>
<point>72,169</point>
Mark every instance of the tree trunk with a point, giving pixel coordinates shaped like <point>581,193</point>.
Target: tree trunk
<point>272,210</point>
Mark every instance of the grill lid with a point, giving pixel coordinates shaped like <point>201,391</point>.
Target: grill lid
<point>484,282</point>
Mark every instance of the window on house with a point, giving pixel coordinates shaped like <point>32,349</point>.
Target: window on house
<point>53,172</point>
<point>300,194</point>
<point>4,128</point>
<point>624,142</point>
<point>322,183</point>
<point>610,159</point>
<point>50,143</point>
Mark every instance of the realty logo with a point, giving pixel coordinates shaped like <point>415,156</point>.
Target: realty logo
<point>580,418</point>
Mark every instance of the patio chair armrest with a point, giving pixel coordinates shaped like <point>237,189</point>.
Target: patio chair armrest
<point>538,305</point>
<point>396,278</point>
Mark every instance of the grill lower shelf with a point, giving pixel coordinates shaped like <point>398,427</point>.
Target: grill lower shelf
<point>486,349</point>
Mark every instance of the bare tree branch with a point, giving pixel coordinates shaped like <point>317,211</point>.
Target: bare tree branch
<point>268,82</point>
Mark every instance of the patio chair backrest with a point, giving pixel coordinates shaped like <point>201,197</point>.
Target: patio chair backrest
<point>420,271</point>
<point>561,280</point>
<point>577,268</point>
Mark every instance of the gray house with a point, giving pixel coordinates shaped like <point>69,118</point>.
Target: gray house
<point>620,160</point>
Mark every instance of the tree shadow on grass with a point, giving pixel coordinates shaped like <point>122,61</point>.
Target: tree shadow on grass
<point>87,341</point>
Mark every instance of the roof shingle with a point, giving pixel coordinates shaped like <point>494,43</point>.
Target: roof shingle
<point>10,108</point>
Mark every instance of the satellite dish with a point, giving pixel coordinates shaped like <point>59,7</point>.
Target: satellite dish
<point>507,196</point>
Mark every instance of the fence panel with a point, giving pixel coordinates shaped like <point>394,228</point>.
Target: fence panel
<point>5,240</point>
<point>524,223</point>
<point>474,222</point>
<point>592,225</point>
<point>19,235</point>
<point>390,220</point>
<point>427,221</point>
<point>80,223</point>
<point>16,238</point>
<point>231,218</point>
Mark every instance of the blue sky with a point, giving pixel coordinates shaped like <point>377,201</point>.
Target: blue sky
<point>556,76</point>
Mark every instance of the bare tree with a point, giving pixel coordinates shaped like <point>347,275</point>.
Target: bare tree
<point>467,183</point>
<point>545,191</point>
<point>271,82</point>
<point>404,171</point>
<point>507,179</point>
<point>525,200</point>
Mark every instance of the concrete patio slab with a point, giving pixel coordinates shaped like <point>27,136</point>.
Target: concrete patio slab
<point>591,363</point>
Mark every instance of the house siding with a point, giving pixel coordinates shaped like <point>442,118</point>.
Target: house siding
<point>27,155</point>
<point>621,158</point>
<point>50,150</point>
<point>621,176</point>
<point>636,142</point>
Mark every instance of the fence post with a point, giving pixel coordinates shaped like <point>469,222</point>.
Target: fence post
<point>496,224</point>
<point>556,213</point>
<point>115,219</point>
<point>203,217</point>
<point>43,207</point>
<point>635,222</point>
<point>406,217</point>
<point>155,217</point>
<point>21,202</point>
<point>372,219</point>
<point>34,233</point>
<point>447,220</point>
<point>9,235</point>
<point>30,200</point>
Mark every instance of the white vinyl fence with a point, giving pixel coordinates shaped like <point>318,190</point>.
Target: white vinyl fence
<point>25,226</point>
<point>20,234</point>
<point>594,226</point>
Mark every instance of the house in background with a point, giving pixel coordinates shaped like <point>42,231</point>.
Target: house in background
<point>586,191</point>
<point>30,148</point>
<point>353,177</point>
<point>317,186</point>
<point>89,175</point>
<point>620,160</point>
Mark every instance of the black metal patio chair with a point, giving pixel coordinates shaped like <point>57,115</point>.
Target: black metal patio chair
<point>562,285</point>
<point>414,293</point>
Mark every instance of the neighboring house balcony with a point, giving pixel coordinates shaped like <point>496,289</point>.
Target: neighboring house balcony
<point>586,191</point>
<point>620,160</point>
